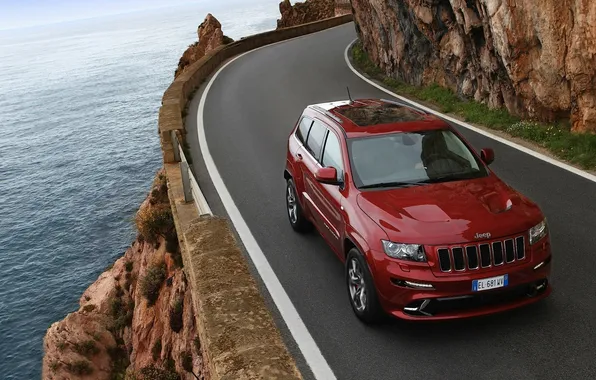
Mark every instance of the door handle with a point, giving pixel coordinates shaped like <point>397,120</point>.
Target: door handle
<point>298,157</point>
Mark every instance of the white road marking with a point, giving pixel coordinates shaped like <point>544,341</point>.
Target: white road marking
<point>531,152</point>
<point>304,340</point>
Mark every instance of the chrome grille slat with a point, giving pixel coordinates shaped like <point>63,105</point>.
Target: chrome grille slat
<point>481,255</point>
<point>509,250</point>
<point>458,258</point>
<point>498,253</point>
<point>485,258</point>
<point>520,247</point>
<point>444,259</point>
<point>472,255</point>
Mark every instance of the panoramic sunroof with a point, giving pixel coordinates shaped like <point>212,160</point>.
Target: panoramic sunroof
<point>374,114</point>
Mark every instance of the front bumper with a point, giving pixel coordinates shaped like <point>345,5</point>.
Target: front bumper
<point>451,297</point>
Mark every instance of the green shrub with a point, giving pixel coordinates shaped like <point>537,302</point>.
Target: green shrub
<point>54,365</point>
<point>197,342</point>
<point>173,247</point>
<point>170,364</point>
<point>227,40</point>
<point>61,345</point>
<point>176,311</point>
<point>86,348</point>
<point>154,373</point>
<point>186,359</point>
<point>121,313</point>
<point>156,349</point>
<point>155,221</point>
<point>119,290</point>
<point>120,361</point>
<point>88,308</point>
<point>151,283</point>
<point>128,266</point>
<point>80,368</point>
<point>116,305</point>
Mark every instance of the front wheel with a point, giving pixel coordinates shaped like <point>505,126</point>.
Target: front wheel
<point>361,288</point>
<point>297,220</point>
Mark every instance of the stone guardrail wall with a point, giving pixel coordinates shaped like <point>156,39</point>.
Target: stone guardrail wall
<point>239,337</point>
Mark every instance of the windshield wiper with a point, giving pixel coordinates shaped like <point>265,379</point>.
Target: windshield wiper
<point>453,177</point>
<point>392,184</point>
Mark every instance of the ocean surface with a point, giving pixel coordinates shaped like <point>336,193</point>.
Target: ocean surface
<point>78,151</point>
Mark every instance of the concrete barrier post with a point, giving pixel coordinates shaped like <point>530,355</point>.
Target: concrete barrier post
<point>184,172</point>
<point>176,145</point>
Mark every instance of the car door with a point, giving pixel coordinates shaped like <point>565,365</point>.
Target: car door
<point>329,197</point>
<point>296,151</point>
<point>323,200</point>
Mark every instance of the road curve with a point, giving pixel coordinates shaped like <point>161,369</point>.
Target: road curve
<point>249,111</point>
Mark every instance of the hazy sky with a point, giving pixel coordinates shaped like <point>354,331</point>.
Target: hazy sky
<point>24,13</point>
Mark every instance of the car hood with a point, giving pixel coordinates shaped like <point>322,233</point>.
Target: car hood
<point>450,212</point>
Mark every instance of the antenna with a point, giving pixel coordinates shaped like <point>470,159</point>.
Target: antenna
<point>349,96</point>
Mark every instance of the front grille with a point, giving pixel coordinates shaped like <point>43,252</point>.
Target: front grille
<point>483,255</point>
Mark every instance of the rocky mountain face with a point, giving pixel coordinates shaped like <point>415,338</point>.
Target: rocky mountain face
<point>537,59</point>
<point>210,37</point>
<point>304,12</point>
<point>136,320</point>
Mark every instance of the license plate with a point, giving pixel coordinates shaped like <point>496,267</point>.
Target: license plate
<point>490,283</point>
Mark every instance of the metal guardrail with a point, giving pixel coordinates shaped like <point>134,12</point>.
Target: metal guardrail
<point>192,191</point>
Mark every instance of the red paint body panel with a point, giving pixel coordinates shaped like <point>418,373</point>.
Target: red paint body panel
<point>439,215</point>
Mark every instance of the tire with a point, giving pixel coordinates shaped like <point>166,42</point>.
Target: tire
<point>295,215</point>
<point>368,310</point>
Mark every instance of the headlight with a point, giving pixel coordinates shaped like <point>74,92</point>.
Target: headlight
<point>412,252</point>
<point>538,231</point>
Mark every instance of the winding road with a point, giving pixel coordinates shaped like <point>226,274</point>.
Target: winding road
<point>248,112</point>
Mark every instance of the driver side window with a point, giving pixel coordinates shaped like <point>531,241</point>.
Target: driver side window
<point>332,155</point>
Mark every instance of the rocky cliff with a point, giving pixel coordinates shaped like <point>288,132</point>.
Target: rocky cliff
<point>537,59</point>
<point>136,320</point>
<point>210,37</point>
<point>304,12</point>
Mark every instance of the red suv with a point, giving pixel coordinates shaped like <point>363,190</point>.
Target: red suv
<point>426,230</point>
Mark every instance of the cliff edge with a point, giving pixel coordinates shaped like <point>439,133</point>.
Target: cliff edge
<point>304,12</point>
<point>136,320</point>
<point>537,60</point>
<point>210,37</point>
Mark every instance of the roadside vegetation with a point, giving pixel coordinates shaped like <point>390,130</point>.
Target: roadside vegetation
<point>575,148</point>
<point>152,281</point>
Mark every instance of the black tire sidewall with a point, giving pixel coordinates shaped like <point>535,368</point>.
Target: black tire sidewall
<point>301,224</point>
<point>372,312</point>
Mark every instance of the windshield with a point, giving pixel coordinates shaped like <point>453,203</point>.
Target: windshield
<point>412,158</point>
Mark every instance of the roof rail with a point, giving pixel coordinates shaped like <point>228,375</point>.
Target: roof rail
<point>326,113</point>
<point>404,104</point>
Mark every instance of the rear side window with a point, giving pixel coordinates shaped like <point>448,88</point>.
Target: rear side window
<point>303,128</point>
<point>315,140</point>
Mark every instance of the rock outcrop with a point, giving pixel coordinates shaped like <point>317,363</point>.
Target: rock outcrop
<point>537,59</point>
<point>210,37</point>
<point>304,12</point>
<point>137,317</point>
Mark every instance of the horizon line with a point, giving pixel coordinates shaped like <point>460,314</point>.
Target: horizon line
<point>66,21</point>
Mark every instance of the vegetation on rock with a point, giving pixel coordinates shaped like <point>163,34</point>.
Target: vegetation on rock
<point>576,148</point>
<point>176,310</point>
<point>152,281</point>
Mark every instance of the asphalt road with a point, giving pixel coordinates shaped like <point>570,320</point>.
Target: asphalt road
<point>249,112</point>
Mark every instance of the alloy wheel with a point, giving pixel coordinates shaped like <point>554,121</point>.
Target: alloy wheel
<point>357,285</point>
<point>291,202</point>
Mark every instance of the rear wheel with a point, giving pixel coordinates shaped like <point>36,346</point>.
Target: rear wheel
<point>297,220</point>
<point>361,288</point>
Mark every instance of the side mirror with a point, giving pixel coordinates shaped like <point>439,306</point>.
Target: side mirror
<point>327,176</point>
<point>487,155</point>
